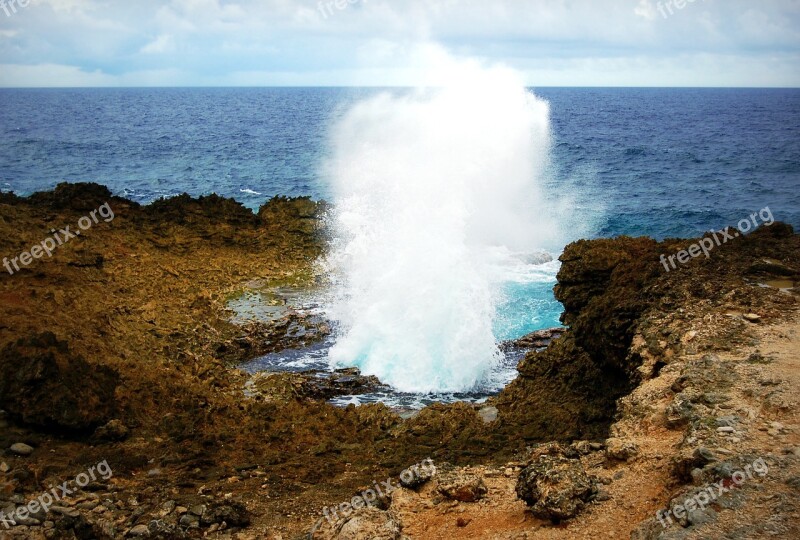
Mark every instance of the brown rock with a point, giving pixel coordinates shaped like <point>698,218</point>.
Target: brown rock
<point>555,488</point>
<point>461,486</point>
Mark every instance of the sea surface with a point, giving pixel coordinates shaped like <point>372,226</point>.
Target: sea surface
<point>657,162</point>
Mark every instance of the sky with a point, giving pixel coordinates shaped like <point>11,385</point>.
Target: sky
<point>80,43</point>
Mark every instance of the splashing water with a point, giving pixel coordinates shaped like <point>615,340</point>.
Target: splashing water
<point>433,189</point>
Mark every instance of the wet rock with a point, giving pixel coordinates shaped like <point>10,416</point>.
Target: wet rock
<point>347,381</point>
<point>534,340</point>
<point>315,384</point>
<point>555,488</point>
<point>460,485</point>
<point>45,385</point>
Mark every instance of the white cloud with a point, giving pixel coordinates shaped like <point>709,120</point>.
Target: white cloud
<point>162,44</point>
<point>222,42</point>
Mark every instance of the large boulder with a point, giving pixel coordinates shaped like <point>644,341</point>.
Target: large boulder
<point>556,488</point>
<point>47,386</point>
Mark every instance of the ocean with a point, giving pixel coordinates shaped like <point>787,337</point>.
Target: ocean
<point>660,162</point>
<point>657,162</point>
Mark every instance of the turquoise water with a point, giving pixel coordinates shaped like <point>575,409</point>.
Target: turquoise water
<point>526,307</point>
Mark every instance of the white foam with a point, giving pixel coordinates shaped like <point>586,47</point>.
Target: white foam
<point>435,192</point>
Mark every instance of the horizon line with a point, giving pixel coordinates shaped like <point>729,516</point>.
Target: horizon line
<point>228,87</point>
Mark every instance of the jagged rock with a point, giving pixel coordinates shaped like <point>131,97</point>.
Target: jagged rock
<point>534,340</point>
<point>81,197</point>
<point>299,215</point>
<point>186,210</point>
<point>45,385</point>
<point>621,449</point>
<point>315,384</point>
<point>555,488</point>
<point>460,485</point>
<point>680,412</point>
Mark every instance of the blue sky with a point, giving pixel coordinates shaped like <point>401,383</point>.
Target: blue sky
<point>372,42</point>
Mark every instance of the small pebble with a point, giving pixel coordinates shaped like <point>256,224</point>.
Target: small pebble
<point>22,449</point>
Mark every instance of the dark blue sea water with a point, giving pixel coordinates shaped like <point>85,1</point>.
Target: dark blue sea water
<point>658,162</point>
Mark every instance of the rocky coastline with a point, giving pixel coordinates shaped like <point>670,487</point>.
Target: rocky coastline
<point>120,349</point>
